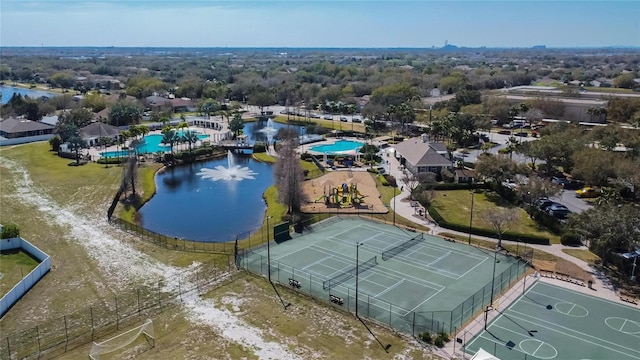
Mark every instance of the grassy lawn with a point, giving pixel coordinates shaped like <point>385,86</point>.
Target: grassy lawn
<point>455,207</point>
<point>333,125</point>
<point>264,157</point>
<point>14,265</point>
<point>608,90</point>
<point>583,254</point>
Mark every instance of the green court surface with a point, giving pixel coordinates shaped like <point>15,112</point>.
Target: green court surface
<point>433,284</point>
<point>551,322</point>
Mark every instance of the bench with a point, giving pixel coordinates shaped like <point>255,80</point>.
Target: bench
<point>336,300</point>
<point>628,298</point>
<point>294,283</point>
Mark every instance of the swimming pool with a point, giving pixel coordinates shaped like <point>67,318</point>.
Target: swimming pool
<point>151,145</point>
<point>339,147</point>
<point>114,154</point>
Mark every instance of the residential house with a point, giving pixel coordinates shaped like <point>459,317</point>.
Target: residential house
<point>418,155</point>
<point>94,131</point>
<point>182,105</point>
<point>12,128</point>
<point>465,176</point>
<point>157,103</point>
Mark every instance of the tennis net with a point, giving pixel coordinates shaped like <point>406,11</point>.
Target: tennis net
<point>340,278</point>
<point>388,254</point>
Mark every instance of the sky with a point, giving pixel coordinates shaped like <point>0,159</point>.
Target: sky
<point>317,23</point>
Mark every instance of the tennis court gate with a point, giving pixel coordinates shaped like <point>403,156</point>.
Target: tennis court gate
<point>392,315</point>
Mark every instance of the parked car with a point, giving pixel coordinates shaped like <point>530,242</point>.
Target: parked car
<point>504,132</point>
<point>356,120</point>
<point>544,203</point>
<point>328,117</point>
<point>315,116</point>
<point>343,119</point>
<point>558,211</point>
<point>521,134</point>
<point>588,192</point>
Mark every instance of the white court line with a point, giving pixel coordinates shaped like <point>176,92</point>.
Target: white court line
<point>318,261</point>
<point>478,264</point>
<point>419,281</point>
<point>440,258</point>
<point>536,323</point>
<point>335,236</point>
<point>389,288</point>
<point>427,299</point>
<point>589,297</point>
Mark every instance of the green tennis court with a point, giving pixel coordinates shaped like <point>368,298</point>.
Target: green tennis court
<point>402,275</point>
<point>551,322</point>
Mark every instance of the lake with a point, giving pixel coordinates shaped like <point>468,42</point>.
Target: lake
<point>210,201</point>
<point>8,91</point>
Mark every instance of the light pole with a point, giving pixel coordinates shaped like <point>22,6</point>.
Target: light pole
<point>357,273</point>
<point>471,216</point>
<point>634,254</point>
<point>268,251</point>
<point>493,279</point>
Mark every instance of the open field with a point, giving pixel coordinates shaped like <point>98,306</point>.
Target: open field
<point>14,265</point>
<point>455,207</point>
<point>583,254</point>
<point>333,125</point>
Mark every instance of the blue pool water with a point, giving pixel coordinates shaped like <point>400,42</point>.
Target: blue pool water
<point>151,145</point>
<point>113,154</point>
<point>339,147</point>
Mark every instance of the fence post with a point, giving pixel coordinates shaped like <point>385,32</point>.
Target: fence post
<point>117,316</point>
<point>179,288</point>
<point>38,336</point>
<point>159,303</point>
<point>138,291</point>
<point>66,333</point>
<point>390,305</point>
<point>92,329</point>
<point>413,325</point>
<point>8,348</point>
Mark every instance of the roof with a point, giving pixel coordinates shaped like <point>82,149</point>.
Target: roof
<point>157,100</point>
<point>50,120</point>
<point>102,114</point>
<point>98,129</point>
<point>468,173</point>
<point>420,153</point>
<point>181,102</point>
<point>13,125</point>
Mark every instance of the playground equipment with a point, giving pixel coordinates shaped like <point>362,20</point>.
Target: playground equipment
<point>345,196</point>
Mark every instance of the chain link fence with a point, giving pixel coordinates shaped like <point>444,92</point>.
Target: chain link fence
<point>396,317</point>
<point>55,337</point>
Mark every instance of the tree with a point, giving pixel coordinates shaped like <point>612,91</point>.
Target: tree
<point>55,143</point>
<point>500,219</point>
<point>236,124</point>
<point>80,117</point>
<point>609,228</point>
<point>125,112</point>
<point>498,168</point>
<point>130,175</point>
<point>594,166</point>
<point>394,94</point>
<point>190,137</point>
<point>538,187</point>
<point>261,97</point>
<point>625,81</point>
<point>169,137</point>
<point>76,143</point>
<point>67,131</point>
<point>289,176</point>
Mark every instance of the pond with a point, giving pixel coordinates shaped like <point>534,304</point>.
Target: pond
<point>264,131</point>
<point>8,91</point>
<point>210,201</point>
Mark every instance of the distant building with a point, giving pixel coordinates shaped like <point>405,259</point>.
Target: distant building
<point>12,128</point>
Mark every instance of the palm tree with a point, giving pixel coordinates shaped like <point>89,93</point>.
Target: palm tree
<point>169,137</point>
<point>191,137</point>
<point>511,146</point>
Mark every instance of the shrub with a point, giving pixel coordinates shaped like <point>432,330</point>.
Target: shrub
<point>383,180</point>
<point>444,336</point>
<point>426,337</point>
<point>390,180</point>
<point>112,160</point>
<point>10,231</point>
<point>439,342</point>
<point>570,239</point>
<point>55,143</point>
